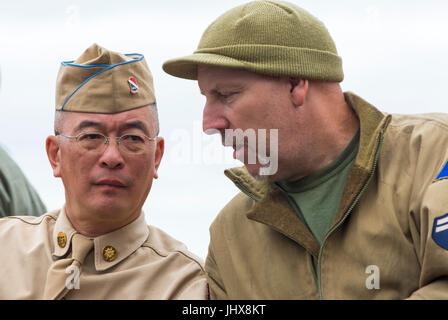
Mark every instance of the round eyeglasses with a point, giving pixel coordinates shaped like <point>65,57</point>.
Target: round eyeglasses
<point>95,141</point>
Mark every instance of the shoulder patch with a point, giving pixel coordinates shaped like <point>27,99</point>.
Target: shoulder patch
<point>444,173</point>
<point>440,231</point>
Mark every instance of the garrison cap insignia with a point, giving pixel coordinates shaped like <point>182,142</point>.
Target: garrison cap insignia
<point>440,231</point>
<point>133,84</point>
<point>444,173</point>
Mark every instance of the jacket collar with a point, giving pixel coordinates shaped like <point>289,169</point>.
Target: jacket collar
<point>272,207</point>
<point>125,240</point>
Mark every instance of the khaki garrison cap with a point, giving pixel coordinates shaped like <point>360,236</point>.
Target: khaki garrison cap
<point>103,81</point>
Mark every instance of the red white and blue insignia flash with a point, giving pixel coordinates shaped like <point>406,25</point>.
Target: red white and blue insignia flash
<point>133,84</point>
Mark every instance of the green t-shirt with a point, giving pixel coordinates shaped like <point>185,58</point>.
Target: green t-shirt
<point>316,198</point>
<point>17,195</point>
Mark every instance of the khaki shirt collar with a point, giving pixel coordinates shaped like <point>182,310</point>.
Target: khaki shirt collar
<point>62,226</point>
<point>125,240</point>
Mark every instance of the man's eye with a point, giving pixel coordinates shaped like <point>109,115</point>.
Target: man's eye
<point>225,95</point>
<point>91,136</point>
<point>133,138</point>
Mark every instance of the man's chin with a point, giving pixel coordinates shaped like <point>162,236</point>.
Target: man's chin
<point>110,207</point>
<point>256,171</point>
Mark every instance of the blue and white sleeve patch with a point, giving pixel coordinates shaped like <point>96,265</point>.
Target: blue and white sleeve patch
<point>444,173</point>
<point>440,231</point>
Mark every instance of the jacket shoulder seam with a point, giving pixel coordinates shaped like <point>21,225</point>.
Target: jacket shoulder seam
<point>423,121</point>
<point>38,222</point>
<point>165,254</point>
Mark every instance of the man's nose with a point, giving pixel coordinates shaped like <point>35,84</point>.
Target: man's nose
<point>213,119</point>
<point>112,157</point>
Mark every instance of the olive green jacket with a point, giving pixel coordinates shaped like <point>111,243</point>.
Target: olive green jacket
<point>17,195</point>
<point>382,243</point>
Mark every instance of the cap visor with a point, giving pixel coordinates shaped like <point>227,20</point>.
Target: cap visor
<point>187,67</point>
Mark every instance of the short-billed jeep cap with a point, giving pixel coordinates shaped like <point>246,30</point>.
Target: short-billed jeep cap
<point>274,38</point>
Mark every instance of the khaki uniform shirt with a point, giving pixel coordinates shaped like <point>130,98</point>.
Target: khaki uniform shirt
<point>149,264</point>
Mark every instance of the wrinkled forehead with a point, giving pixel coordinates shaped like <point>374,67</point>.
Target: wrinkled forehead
<point>137,119</point>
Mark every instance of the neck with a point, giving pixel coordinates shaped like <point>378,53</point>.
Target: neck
<point>334,126</point>
<point>96,223</point>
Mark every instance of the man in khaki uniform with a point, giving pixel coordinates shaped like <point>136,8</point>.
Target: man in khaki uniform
<point>356,206</point>
<point>107,151</point>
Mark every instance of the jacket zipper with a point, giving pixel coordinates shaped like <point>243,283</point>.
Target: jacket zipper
<point>319,285</point>
<point>313,269</point>
<point>246,191</point>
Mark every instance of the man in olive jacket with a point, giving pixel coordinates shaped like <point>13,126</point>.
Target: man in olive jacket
<point>354,204</point>
<point>17,195</point>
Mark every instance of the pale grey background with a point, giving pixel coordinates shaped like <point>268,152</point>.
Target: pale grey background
<point>394,53</point>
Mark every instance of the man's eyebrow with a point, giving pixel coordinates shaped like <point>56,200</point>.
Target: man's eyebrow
<point>89,123</point>
<point>135,125</point>
<point>224,87</point>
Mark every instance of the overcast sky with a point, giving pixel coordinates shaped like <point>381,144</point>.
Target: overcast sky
<point>394,55</point>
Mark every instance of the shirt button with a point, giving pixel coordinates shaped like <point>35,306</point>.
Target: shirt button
<point>62,239</point>
<point>110,253</point>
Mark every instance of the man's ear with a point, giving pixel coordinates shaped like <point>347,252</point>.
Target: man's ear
<point>299,89</point>
<point>160,149</point>
<point>54,154</point>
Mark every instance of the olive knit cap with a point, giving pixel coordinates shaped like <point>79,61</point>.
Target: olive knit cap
<point>274,38</point>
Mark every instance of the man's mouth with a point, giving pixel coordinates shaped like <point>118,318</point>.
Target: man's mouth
<point>111,183</point>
